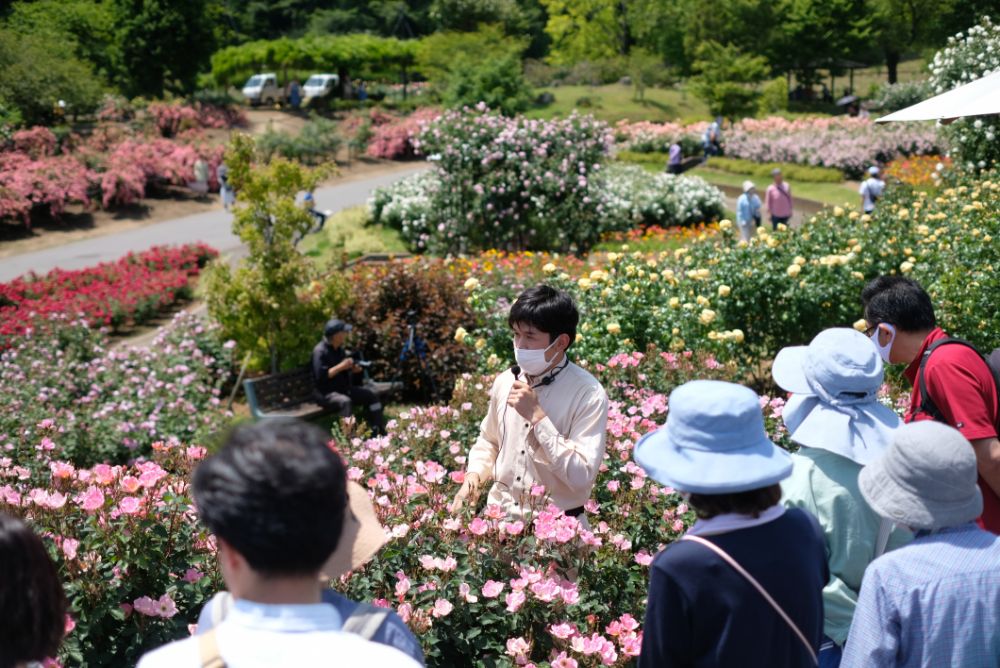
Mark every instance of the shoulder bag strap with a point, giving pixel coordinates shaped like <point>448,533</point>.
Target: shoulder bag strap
<point>208,650</point>
<point>882,539</point>
<point>927,405</point>
<point>763,592</point>
<point>365,621</point>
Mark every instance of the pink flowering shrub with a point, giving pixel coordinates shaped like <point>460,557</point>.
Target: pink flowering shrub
<point>135,564</point>
<point>45,181</point>
<point>109,405</point>
<point>395,139</point>
<point>170,118</point>
<point>37,142</point>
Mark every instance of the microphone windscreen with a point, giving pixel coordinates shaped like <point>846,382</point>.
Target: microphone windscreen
<point>515,369</point>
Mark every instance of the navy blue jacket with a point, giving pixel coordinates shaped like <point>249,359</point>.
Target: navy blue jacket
<point>702,613</point>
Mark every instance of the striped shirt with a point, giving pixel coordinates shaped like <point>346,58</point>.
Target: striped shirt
<point>934,602</point>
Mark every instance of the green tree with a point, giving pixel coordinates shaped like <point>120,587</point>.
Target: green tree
<point>644,67</point>
<point>499,83</point>
<point>816,34</point>
<point>275,301</point>
<point>728,79</point>
<point>163,45</point>
<point>36,71</point>
<point>441,54</point>
<point>586,30</point>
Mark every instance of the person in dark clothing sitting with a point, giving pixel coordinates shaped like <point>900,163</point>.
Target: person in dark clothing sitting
<point>339,378</point>
<point>743,587</point>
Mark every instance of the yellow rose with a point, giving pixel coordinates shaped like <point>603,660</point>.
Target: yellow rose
<point>472,283</point>
<point>799,260</point>
<point>612,257</point>
<point>707,316</point>
<point>597,275</point>
<point>579,337</point>
<point>702,301</point>
<point>725,224</point>
<point>906,267</point>
<point>549,268</point>
<point>584,283</point>
<point>793,270</point>
<point>737,335</point>
<point>480,343</point>
<point>838,211</point>
<point>614,328</point>
<point>724,290</point>
<point>861,325</point>
<point>460,334</point>
<point>492,361</point>
<point>675,302</point>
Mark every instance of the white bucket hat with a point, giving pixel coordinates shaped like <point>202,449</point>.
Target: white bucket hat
<point>748,186</point>
<point>714,442</point>
<point>926,479</point>
<point>834,383</point>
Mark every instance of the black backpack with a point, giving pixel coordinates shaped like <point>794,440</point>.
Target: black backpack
<point>927,405</point>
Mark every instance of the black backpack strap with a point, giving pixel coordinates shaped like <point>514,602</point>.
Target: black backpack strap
<point>927,405</point>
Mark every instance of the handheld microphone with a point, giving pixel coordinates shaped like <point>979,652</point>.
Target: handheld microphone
<point>516,370</point>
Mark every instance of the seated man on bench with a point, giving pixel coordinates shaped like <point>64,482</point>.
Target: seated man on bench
<point>339,378</point>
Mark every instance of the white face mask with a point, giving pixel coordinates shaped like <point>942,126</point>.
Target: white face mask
<point>883,351</point>
<point>533,362</point>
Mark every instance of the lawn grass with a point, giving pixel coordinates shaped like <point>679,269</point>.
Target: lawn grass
<point>614,102</point>
<point>834,194</point>
<point>348,233</point>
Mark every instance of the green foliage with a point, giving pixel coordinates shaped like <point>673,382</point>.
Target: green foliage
<point>36,71</point>
<point>892,97</point>
<point>791,171</point>
<point>317,142</point>
<point>357,55</point>
<point>727,79</point>
<point>645,69</point>
<point>442,54</point>
<point>274,302</point>
<point>773,96</point>
<point>163,45</point>
<point>585,30</point>
<point>499,84</point>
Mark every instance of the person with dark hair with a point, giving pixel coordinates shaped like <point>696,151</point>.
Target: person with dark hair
<point>836,418</point>
<point>952,383</point>
<point>936,601</point>
<point>545,425</point>
<point>744,586</point>
<point>33,605</point>
<point>339,378</point>
<point>274,497</point>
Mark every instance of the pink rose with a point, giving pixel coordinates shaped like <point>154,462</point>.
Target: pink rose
<point>130,484</point>
<point>69,547</point>
<point>91,499</point>
<point>192,575</point>
<point>146,606</point>
<point>492,588</point>
<point>563,661</point>
<point>643,558</point>
<point>478,527</point>
<point>165,607</point>
<point>514,600</point>
<point>563,631</point>
<point>130,505</point>
<point>442,608</point>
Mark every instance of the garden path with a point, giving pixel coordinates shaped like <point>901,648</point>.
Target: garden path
<point>211,227</point>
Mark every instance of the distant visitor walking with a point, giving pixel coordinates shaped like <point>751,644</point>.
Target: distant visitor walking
<point>779,199</point>
<point>748,211</point>
<point>871,189</point>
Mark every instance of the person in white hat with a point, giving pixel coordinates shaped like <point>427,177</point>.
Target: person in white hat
<point>274,497</point>
<point>936,601</point>
<point>748,211</point>
<point>871,189</point>
<point>743,587</point>
<point>834,415</point>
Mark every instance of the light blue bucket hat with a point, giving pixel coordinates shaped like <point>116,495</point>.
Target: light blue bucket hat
<point>714,442</point>
<point>834,382</point>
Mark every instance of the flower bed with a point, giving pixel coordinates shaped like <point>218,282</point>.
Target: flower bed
<point>847,144</point>
<point>111,405</point>
<point>130,290</point>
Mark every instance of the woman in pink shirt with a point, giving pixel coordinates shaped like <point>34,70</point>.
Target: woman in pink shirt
<point>779,199</point>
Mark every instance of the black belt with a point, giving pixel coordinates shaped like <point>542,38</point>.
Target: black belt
<point>574,512</point>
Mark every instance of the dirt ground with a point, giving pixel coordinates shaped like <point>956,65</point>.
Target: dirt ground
<point>79,222</point>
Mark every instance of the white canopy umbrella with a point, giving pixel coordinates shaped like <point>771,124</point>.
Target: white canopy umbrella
<point>978,98</point>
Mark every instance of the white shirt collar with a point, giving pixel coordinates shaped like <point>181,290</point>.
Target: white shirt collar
<point>285,618</point>
<point>734,522</point>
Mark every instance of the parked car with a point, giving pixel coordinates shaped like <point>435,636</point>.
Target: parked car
<point>320,85</point>
<point>263,89</point>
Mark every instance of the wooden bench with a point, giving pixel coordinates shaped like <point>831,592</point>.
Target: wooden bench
<point>290,394</point>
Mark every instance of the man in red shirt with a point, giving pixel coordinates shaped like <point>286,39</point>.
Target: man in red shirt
<point>902,325</point>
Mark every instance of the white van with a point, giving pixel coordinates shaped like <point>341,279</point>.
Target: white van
<point>263,89</point>
<point>320,85</point>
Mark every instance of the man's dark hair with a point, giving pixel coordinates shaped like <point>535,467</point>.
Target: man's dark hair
<point>753,502</point>
<point>547,310</point>
<point>32,602</point>
<point>900,302</point>
<point>276,493</point>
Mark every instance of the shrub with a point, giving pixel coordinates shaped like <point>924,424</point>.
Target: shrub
<point>109,405</point>
<point>968,57</point>
<point>921,171</point>
<point>790,170</point>
<point>514,183</point>
<point>633,197</point>
<point>50,181</point>
<point>396,139</point>
<point>316,143</point>
<point>773,96</point>
<point>386,299</point>
<point>496,82</point>
<point>892,97</point>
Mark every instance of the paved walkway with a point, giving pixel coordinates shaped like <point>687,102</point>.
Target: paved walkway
<point>213,228</point>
